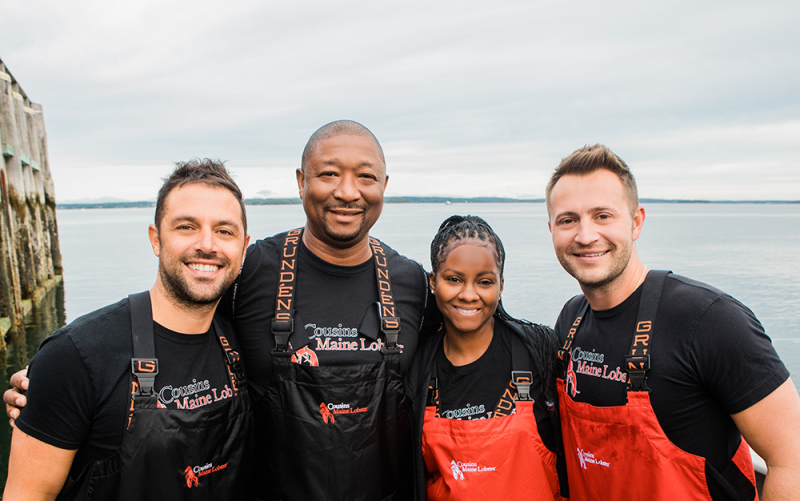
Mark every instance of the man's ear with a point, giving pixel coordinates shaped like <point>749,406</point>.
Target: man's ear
<point>301,181</point>
<point>152,234</point>
<point>638,222</point>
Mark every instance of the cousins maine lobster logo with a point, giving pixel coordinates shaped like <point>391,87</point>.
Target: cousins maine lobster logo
<point>192,474</point>
<point>330,411</point>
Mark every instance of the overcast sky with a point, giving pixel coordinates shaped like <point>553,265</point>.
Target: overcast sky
<point>702,99</point>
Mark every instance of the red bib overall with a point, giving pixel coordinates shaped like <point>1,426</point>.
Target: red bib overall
<point>621,452</point>
<point>490,459</point>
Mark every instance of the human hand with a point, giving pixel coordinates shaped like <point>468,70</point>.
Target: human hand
<point>13,397</point>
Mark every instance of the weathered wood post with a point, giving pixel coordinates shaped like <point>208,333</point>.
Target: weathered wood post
<point>31,260</point>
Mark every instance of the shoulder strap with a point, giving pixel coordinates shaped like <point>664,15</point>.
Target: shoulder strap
<point>638,359</point>
<point>283,323</point>
<point>390,322</point>
<point>144,364</point>
<point>233,359</point>
<point>563,352</point>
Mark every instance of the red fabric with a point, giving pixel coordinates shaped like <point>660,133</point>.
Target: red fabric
<point>621,452</point>
<point>490,459</point>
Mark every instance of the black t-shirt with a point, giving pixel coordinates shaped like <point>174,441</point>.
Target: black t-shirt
<point>710,358</point>
<point>336,309</point>
<point>473,391</point>
<point>80,381</point>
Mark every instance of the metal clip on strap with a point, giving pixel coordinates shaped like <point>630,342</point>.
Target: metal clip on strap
<point>522,380</point>
<point>638,365</point>
<point>235,361</point>
<point>282,329</point>
<point>391,329</point>
<point>145,370</point>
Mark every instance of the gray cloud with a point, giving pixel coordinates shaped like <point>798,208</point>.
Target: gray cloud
<point>468,98</point>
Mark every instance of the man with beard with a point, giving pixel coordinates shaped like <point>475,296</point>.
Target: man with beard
<point>328,320</point>
<point>144,399</point>
<point>667,375</point>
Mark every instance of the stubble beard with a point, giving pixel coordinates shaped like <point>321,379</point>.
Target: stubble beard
<point>587,279</point>
<point>177,288</point>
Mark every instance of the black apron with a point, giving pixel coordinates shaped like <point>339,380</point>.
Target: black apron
<point>335,432</point>
<point>171,454</point>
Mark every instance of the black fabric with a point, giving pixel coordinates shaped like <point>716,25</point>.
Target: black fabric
<point>336,432</point>
<point>538,340</point>
<point>472,391</point>
<point>711,358</point>
<point>337,341</point>
<point>80,381</point>
<point>330,304</point>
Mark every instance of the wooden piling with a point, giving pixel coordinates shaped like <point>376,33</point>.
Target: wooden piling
<point>30,259</point>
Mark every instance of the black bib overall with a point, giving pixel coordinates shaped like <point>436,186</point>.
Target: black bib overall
<point>335,432</point>
<point>171,454</point>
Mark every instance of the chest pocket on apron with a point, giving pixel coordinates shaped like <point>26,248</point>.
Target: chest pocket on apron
<point>334,432</point>
<point>621,452</point>
<point>201,454</point>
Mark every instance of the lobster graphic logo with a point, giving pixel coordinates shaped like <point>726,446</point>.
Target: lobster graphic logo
<point>191,478</point>
<point>305,356</point>
<point>327,415</point>
<point>572,381</point>
<point>457,473</point>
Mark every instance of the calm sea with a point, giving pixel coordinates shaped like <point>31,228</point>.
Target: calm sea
<point>747,250</point>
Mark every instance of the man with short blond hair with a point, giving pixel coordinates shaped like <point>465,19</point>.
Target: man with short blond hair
<point>667,374</point>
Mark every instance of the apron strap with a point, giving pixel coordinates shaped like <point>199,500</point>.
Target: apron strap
<point>521,375</point>
<point>563,352</point>
<point>638,359</point>
<point>390,321</point>
<point>232,358</point>
<point>144,364</point>
<point>283,323</point>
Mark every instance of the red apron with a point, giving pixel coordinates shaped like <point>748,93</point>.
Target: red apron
<point>621,452</point>
<point>490,459</point>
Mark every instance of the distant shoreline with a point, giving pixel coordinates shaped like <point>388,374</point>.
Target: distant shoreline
<point>416,200</point>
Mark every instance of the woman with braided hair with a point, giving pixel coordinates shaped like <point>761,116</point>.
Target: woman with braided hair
<point>482,388</point>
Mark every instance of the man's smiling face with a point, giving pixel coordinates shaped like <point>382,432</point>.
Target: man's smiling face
<point>342,187</point>
<point>592,227</point>
<point>200,243</point>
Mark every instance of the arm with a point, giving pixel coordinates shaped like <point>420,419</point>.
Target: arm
<point>13,397</point>
<point>36,470</point>
<point>770,427</point>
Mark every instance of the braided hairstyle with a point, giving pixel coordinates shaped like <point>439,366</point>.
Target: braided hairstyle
<point>455,229</point>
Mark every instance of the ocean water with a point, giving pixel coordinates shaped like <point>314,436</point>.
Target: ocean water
<point>747,250</point>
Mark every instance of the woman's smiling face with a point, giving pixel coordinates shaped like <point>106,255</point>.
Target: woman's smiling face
<point>467,286</point>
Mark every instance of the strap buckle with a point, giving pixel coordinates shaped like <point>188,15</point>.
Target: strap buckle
<point>433,393</point>
<point>390,326</point>
<point>282,329</point>
<point>235,361</point>
<point>523,381</point>
<point>145,370</point>
<point>637,367</point>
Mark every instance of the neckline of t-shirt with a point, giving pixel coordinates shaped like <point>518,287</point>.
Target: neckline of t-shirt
<point>485,359</point>
<point>179,337</point>
<point>630,301</point>
<point>334,269</point>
